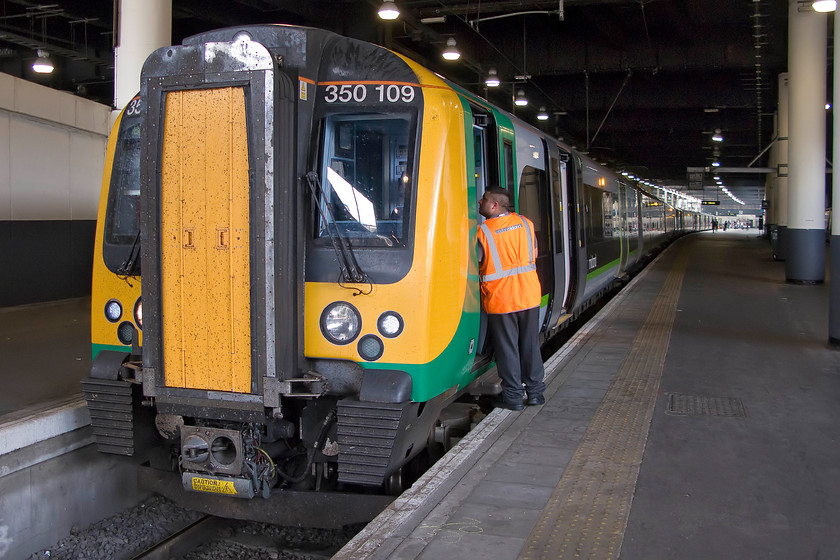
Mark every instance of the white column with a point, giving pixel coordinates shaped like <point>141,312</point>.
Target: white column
<point>805,239</point>
<point>143,27</point>
<point>778,214</point>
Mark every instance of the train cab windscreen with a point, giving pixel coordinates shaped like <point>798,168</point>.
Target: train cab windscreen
<point>122,222</point>
<point>366,172</point>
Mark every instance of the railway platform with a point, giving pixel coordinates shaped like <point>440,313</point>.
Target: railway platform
<point>696,416</point>
<point>44,353</point>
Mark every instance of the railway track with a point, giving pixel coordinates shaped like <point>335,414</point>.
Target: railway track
<point>212,537</point>
<point>186,540</point>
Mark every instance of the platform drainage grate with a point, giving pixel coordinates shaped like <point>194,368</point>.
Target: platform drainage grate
<point>692,405</point>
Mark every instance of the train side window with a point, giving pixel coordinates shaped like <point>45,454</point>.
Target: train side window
<point>611,215</point>
<point>532,183</point>
<point>479,155</point>
<point>557,204</point>
<point>507,154</point>
<point>594,214</point>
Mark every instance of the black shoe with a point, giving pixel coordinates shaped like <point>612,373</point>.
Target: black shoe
<point>535,400</point>
<point>501,403</point>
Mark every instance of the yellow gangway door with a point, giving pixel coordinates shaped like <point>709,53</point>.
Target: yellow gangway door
<point>205,273</point>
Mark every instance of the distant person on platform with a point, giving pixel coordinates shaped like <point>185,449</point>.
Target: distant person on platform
<point>714,225</point>
<point>510,295</point>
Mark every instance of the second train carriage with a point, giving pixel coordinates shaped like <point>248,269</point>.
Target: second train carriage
<point>300,210</point>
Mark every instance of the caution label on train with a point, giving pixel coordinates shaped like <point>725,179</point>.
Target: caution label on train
<point>215,486</point>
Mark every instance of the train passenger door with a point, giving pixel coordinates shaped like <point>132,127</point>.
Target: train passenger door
<point>560,246</point>
<point>534,203</point>
<point>622,225</point>
<point>481,173</point>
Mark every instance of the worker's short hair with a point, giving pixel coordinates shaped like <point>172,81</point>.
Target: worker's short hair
<point>500,195</point>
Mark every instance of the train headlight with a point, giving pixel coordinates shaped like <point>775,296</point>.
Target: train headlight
<point>340,323</point>
<point>113,310</point>
<point>370,347</point>
<point>390,324</point>
<point>138,313</point>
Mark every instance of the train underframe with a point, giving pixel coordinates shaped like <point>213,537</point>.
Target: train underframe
<point>324,461</point>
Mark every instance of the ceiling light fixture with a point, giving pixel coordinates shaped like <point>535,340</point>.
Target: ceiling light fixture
<point>43,64</point>
<point>492,78</point>
<point>824,5</point>
<point>717,136</point>
<point>520,100</point>
<point>388,10</point>
<point>542,115</point>
<point>451,51</point>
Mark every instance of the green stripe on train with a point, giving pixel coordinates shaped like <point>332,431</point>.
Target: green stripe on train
<point>97,348</point>
<point>600,270</point>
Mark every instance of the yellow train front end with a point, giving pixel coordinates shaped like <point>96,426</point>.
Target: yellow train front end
<point>116,303</point>
<point>116,309</point>
<point>303,233</point>
<point>400,339</point>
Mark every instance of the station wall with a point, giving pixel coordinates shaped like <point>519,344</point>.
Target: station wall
<point>52,149</point>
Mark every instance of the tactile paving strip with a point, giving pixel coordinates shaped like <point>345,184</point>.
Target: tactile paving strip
<point>587,514</point>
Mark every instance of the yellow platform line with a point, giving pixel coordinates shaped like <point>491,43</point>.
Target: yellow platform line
<point>588,511</point>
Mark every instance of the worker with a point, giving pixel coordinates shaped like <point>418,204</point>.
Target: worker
<point>510,295</point>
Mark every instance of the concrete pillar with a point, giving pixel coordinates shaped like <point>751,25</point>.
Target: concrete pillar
<point>834,266</point>
<point>805,236</point>
<point>143,27</point>
<point>781,191</point>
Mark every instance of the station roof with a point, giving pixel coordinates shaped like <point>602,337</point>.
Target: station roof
<point>641,85</point>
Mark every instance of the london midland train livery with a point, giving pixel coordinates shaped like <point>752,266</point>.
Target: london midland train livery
<point>286,292</point>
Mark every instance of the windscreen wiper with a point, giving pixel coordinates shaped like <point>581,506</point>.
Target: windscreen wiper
<point>349,268</point>
<point>130,263</point>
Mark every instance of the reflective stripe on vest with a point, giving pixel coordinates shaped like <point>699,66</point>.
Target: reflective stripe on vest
<point>494,254</point>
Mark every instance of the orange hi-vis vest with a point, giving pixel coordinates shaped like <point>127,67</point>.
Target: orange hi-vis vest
<point>509,280</point>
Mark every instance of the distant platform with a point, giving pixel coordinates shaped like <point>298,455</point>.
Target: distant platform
<point>44,353</point>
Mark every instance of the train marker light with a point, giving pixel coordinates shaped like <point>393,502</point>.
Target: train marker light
<point>370,347</point>
<point>138,313</point>
<point>390,324</point>
<point>125,333</point>
<point>113,310</point>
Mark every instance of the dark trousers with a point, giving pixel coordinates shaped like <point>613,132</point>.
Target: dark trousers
<point>516,342</point>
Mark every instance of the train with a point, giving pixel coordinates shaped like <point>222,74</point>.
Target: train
<point>285,300</point>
